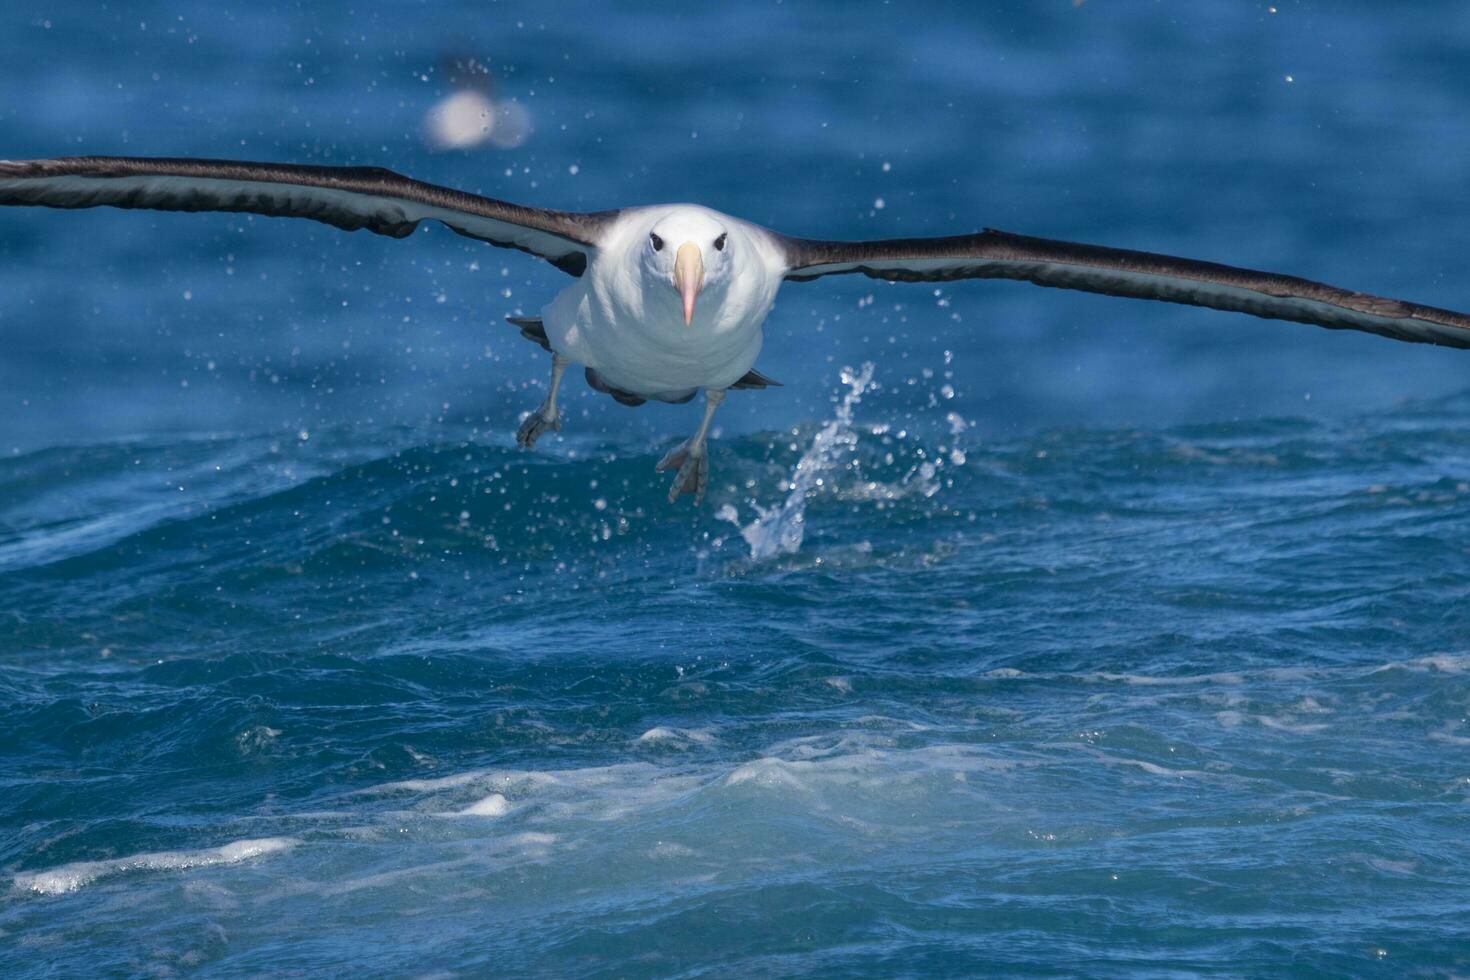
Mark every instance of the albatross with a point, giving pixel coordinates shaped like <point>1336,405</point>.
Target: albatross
<point>669,300</point>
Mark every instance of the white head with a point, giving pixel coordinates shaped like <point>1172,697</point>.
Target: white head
<point>689,248</point>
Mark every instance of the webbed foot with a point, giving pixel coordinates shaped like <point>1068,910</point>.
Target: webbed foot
<point>692,462</point>
<point>537,424</point>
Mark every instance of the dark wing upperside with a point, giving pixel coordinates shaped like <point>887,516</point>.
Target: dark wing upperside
<point>347,197</point>
<point>1120,272</point>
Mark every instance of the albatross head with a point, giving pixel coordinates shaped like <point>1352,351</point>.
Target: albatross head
<point>688,248</point>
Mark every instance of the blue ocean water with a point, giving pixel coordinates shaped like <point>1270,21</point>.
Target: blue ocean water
<point>1021,632</point>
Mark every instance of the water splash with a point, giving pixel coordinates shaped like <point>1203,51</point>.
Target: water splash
<point>779,530</point>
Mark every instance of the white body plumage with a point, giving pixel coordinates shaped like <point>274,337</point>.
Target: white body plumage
<point>623,317</point>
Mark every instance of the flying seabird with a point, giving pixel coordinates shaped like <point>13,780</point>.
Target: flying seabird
<point>670,299</point>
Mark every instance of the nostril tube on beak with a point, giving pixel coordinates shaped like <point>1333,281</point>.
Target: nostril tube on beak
<point>688,277</point>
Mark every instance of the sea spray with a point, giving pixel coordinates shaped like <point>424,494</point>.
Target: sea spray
<point>779,530</point>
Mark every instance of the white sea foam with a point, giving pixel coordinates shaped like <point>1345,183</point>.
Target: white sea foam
<point>1152,768</point>
<point>501,851</point>
<point>70,877</point>
<point>1446,734</point>
<point>1286,724</point>
<point>1222,678</point>
<point>818,773</point>
<point>493,805</point>
<point>770,773</point>
<point>472,777</point>
<point>596,792</point>
<point>1164,680</point>
<point>432,785</point>
<point>1443,664</point>
<point>677,737</point>
<point>1234,719</point>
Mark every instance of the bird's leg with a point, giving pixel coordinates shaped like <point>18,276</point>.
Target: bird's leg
<point>545,418</point>
<point>691,457</point>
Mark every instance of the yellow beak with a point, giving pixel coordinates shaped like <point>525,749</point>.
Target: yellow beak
<point>688,277</point>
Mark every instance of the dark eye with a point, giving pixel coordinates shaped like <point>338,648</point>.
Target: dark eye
<point>658,243</point>
<point>720,242</point>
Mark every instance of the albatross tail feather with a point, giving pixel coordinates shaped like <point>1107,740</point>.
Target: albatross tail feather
<point>532,329</point>
<point>754,379</point>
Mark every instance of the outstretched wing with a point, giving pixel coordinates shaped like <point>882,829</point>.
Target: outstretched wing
<point>1118,272</point>
<point>348,197</point>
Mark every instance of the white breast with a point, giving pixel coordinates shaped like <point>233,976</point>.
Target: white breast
<point>630,327</point>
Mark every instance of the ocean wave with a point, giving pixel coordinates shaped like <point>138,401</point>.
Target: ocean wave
<point>353,497</point>
<point>70,877</point>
